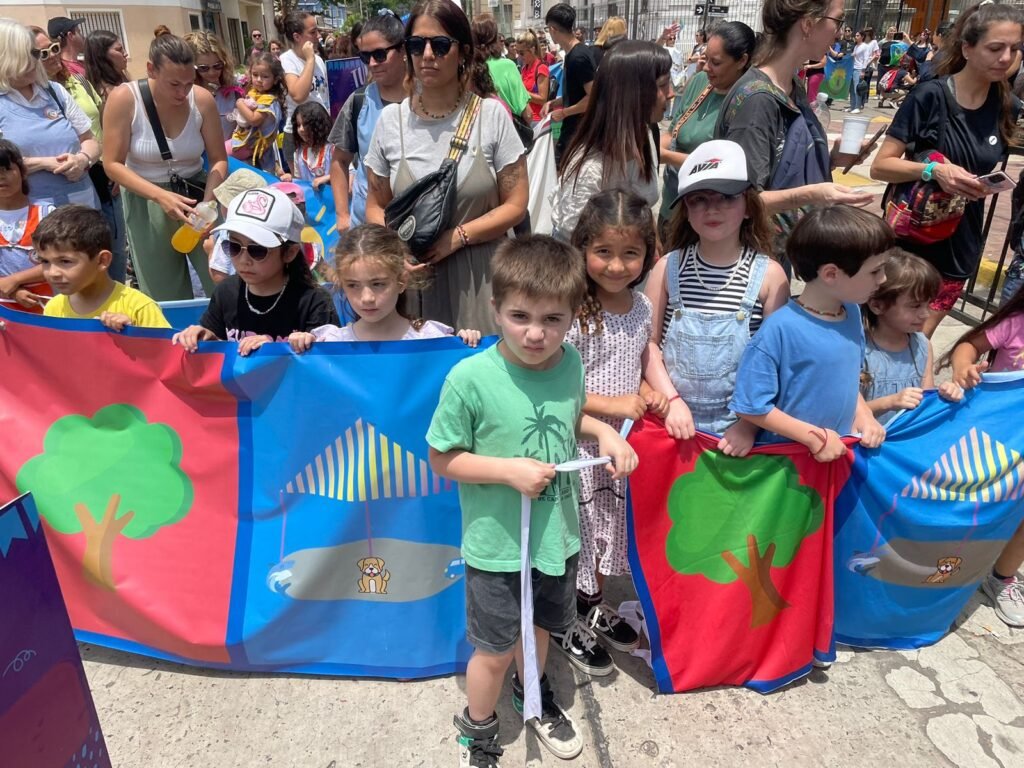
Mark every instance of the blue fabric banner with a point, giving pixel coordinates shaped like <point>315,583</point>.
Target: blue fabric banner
<point>923,518</point>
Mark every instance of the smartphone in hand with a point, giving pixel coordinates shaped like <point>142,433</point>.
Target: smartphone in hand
<point>997,182</point>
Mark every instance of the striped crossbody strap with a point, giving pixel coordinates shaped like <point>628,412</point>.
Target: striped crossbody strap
<point>460,141</point>
<point>689,112</point>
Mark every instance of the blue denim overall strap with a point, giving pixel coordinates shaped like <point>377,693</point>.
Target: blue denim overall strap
<point>702,350</point>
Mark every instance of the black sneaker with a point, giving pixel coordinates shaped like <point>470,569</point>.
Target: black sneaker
<point>611,629</point>
<point>478,743</point>
<point>554,727</point>
<point>580,645</point>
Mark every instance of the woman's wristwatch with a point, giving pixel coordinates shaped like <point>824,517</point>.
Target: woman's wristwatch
<point>926,174</point>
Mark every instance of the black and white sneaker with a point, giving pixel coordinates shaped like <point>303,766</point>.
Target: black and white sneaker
<point>478,742</point>
<point>579,644</point>
<point>611,629</point>
<point>554,727</point>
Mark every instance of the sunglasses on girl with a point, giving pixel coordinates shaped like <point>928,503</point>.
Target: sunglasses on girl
<point>44,53</point>
<point>233,250</point>
<point>440,45</point>
<point>380,55</point>
<point>204,68</point>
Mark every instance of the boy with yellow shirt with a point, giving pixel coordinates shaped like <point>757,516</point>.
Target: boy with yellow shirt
<point>73,245</point>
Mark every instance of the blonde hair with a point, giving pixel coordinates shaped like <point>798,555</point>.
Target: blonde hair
<point>614,27</point>
<point>529,40</point>
<point>17,42</point>
<point>207,43</point>
<point>382,246</point>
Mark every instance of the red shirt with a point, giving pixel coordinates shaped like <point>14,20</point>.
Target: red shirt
<point>530,75</point>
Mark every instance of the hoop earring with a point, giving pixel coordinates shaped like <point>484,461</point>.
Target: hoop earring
<point>462,69</point>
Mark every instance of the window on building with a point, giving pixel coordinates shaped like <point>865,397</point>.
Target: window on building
<point>234,41</point>
<point>194,22</point>
<point>109,19</point>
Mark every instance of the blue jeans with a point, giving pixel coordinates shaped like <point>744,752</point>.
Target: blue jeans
<point>1014,277</point>
<point>855,100</point>
<point>114,214</point>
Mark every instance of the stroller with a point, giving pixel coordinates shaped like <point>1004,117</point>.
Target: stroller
<point>895,84</point>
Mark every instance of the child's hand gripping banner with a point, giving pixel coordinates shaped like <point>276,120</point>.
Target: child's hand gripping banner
<point>732,559</point>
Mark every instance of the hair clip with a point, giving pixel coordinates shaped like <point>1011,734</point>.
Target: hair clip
<point>387,12</point>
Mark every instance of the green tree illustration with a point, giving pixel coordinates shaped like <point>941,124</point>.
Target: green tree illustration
<point>736,518</point>
<point>91,469</point>
<point>542,427</point>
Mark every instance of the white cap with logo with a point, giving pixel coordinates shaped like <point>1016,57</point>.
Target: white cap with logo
<point>265,216</point>
<point>718,166</point>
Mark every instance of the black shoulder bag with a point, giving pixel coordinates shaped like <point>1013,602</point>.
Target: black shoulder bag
<point>427,208</point>
<point>179,185</point>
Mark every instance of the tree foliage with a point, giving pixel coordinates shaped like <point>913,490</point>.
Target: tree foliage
<point>727,502</point>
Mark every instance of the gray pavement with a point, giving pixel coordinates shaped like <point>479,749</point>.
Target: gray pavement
<point>959,703</point>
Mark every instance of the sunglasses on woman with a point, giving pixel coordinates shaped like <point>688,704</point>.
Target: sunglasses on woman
<point>204,68</point>
<point>380,55</point>
<point>44,53</point>
<point>440,45</point>
<point>233,250</point>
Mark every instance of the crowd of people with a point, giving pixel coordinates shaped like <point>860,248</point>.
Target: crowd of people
<point>678,298</point>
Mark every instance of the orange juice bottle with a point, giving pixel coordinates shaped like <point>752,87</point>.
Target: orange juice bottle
<point>188,235</point>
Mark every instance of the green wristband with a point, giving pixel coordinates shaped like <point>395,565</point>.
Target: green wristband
<point>926,174</point>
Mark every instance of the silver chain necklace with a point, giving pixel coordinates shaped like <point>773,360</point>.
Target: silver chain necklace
<point>269,309</point>
<point>732,272</point>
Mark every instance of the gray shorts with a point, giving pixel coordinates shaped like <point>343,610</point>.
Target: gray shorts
<point>492,605</point>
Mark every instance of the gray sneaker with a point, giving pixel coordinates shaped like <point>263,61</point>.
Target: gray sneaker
<point>478,744</point>
<point>1007,598</point>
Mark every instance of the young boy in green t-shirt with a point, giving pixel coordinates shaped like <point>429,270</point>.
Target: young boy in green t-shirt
<point>506,417</point>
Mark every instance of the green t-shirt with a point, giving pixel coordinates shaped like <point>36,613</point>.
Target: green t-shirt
<point>491,407</point>
<point>700,127</point>
<point>508,84</point>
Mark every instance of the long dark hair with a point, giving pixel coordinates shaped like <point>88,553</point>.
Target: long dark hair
<point>616,125</point>
<point>454,23</point>
<point>969,29</point>
<point>317,122</point>
<point>98,69</point>
<point>612,209</point>
<point>1014,306</point>
<point>10,156</point>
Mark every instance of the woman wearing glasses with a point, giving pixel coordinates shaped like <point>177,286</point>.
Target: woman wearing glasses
<point>215,71</point>
<point>380,48</point>
<point>305,74</point>
<point>158,194</point>
<point>413,138</point>
<point>44,121</point>
<point>766,113</point>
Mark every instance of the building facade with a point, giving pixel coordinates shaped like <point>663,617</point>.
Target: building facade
<point>135,20</point>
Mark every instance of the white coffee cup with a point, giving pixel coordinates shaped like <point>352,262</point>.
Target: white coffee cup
<point>854,129</point>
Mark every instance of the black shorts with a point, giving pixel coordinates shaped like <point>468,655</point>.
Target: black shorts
<point>493,605</point>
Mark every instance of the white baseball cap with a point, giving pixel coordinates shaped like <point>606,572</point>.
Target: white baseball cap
<point>266,216</point>
<point>718,166</point>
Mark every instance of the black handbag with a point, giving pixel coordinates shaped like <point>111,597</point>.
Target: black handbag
<point>427,208</point>
<point>194,188</point>
<point>525,131</point>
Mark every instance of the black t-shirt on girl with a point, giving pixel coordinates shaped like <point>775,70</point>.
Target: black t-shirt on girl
<point>302,308</point>
<point>972,141</point>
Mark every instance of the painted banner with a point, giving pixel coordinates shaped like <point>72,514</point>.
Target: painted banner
<point>924,517</point>
<point>47,717</point>
<point>732,559</point>
<point>275,512</point>
<point>837,77</point>
<point>344,77</point>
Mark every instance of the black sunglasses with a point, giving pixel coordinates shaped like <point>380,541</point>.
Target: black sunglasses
<point>233,250</point>
<point>380,55</point>
<point>440,45</point>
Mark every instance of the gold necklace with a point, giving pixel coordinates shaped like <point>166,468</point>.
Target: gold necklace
<point>431,115</point>
<point>820,313</point>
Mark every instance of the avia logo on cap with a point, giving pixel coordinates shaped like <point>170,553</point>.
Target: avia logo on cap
<point>707,165</point>
<point>256,204</point>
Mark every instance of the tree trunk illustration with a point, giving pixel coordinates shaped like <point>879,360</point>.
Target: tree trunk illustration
<point>99,540</point>
<point>766,600</point>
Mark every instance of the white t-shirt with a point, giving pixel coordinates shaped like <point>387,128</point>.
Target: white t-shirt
<point>293,64</point>
<point>862,55</point>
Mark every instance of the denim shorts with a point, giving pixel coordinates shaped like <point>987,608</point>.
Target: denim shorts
<point>492,605</point>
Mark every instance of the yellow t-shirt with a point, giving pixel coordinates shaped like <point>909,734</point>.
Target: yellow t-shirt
<point>144,312</point>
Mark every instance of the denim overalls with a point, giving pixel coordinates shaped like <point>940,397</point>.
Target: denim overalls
<point>702,350</point>
<point>892,372</point>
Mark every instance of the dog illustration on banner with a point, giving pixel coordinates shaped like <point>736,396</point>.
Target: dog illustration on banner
<point>364,466</point>
<point>947,566</point>
<point>375,578</point>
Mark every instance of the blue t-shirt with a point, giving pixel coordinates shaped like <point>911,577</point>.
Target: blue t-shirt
<point>807,367</point>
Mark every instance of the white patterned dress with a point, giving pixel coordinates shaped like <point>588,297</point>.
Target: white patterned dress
<point>611,361</point>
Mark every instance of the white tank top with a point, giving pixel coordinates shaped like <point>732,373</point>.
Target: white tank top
<point>187,147</point>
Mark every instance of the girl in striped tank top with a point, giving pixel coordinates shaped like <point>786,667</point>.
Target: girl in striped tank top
<point>710,294</point>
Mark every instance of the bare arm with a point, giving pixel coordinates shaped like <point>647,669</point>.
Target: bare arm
<point>543,86</point>
<point>580,106</point>
<point>670,156</point>
<point>213,140</point>
<point>513,194</point>
<point>300,85</point>
<point>340,161</point>
<point>890,165</point>
<point>378,195</point>
<point>774,289</point>
<point>655,372</point>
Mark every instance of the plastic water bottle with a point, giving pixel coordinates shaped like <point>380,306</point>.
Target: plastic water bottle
<point>188,235</point>
<point>821,111</point>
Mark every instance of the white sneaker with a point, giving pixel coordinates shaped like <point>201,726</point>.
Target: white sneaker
<point>1007,598</point>
<point>855,111</point>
